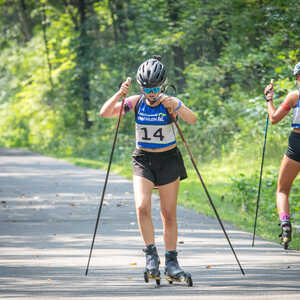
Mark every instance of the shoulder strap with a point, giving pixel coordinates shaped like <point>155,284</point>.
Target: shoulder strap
<point>138,104</point>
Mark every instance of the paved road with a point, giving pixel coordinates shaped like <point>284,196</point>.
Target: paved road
<point>48,210</point>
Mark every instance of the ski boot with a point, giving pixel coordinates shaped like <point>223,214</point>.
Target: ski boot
<point>152,265</point>
<point>286,233</point>
<point>173,272</point>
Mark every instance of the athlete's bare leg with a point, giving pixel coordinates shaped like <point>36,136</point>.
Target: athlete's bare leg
<point>168,202</point>
<point>142,195</point>
<point>289,169</point>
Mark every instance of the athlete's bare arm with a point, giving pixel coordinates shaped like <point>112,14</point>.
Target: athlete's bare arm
<point>276,115</point>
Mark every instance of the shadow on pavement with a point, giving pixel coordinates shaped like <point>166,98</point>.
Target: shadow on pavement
<point>48,210</point>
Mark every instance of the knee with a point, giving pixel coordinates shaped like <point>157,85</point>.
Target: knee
<point>283,190</point>
<point>169,217</point>
<point>143,211</point>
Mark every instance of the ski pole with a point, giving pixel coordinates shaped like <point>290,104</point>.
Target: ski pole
<point>261,168</point>
<point>260,178</point>
<point>207,193</point>
<point>106,179</point>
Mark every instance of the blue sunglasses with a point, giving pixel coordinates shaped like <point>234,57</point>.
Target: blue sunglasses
<point>153,90</point>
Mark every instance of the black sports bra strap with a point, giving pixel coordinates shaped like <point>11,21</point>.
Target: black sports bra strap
<point>138,104</point>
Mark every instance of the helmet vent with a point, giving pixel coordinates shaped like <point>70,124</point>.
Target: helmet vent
<point>151,73</point>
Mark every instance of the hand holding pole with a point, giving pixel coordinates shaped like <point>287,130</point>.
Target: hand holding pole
<point>269,91</point>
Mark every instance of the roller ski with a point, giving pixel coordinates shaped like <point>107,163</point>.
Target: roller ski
<point>173,272</point>
<point>286,233</point>
<point>152,265</point>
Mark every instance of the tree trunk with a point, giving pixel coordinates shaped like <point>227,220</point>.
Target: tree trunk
<point>83,56</point>
<point>178,52</point>
<point>113,17</point>
<point>44,26</point>
<point>26,24</point>
<point>119,19</point>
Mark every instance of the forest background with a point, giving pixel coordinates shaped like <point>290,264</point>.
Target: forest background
<point>60,60</point>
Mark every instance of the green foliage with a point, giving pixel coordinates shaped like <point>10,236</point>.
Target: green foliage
<point>55,74</point>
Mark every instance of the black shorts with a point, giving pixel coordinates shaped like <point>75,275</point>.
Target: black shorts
<point>159,167</point>
<point>293,150</point>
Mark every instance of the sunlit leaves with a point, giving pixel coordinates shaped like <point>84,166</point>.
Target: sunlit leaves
<point>231,50</point>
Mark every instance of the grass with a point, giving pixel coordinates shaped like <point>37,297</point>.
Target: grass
<point>232,183</point>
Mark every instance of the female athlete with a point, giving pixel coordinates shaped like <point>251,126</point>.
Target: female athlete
<point>157,162</point>
<point>290,165</point>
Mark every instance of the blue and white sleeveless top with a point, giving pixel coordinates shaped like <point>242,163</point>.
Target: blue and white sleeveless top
<point>296,114</point>
<point>154,126</point>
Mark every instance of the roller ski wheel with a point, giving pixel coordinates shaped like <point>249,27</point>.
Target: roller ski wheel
<point>173,272</point>
<point>148,276</point>
<point>152,265</point>
<point>286,234</point>
<point>181,277</point>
